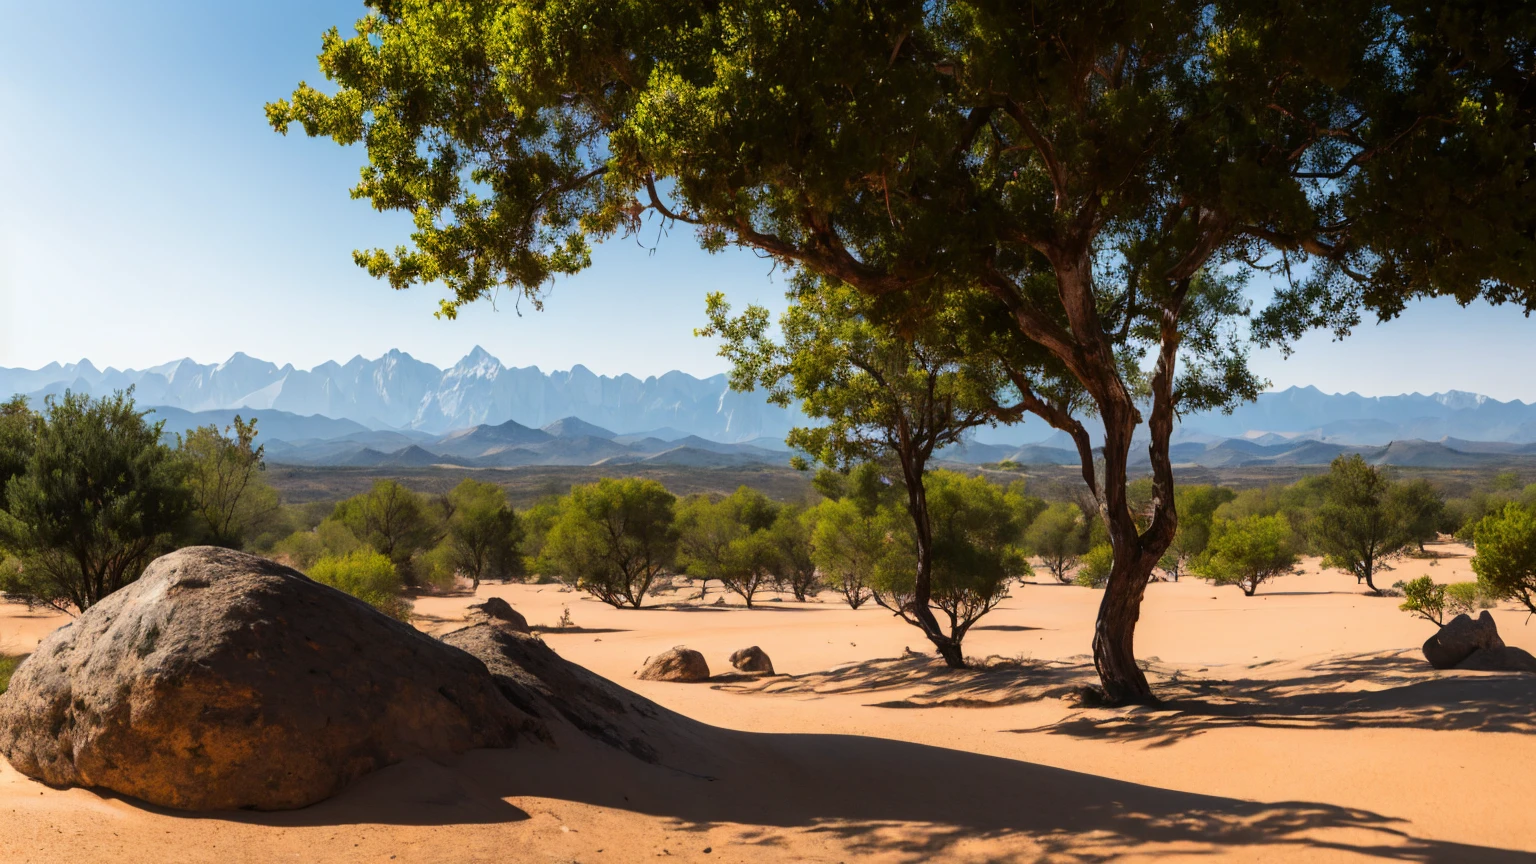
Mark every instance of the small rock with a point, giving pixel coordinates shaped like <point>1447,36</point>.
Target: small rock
<point>1457,640</point>
<point>498,612</point>
<point>752,659</point>
<point>676,664</point>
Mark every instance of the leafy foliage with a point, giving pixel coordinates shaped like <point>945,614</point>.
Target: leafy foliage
<point>1058,536</point>
<point>229,501</point>
<point>367,575</point>
<point>794,561</point>
<point>1505,562</point>
<point>484,535</point>
<point>1358,527</point>
<point>612,538</point>
<point>98,497</point>
<point>393,520</point>
<point>1248,552</point>
<point>8,666</point>
<point>1196,506</point>
<point>1093,571</point>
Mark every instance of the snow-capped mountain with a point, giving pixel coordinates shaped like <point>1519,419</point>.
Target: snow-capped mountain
<point>398,391</point>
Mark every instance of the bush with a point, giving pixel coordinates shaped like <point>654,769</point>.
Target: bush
<point>1506,555</point>
<point>1095,567</point>
<point>7,669</point>
<point>1248,552</point>
<point>367,575</point>
<point>1424,599</point>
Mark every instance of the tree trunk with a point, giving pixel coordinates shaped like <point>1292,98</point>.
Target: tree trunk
<point>922,590</point>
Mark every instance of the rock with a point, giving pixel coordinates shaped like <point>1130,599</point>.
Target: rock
<point>1501,659</point>
<point>498,612</point>
<point>538,681</point>
<point>220,680</point>
<point>1457,640</point>
<point>752,659</point>
<point>675,664</point>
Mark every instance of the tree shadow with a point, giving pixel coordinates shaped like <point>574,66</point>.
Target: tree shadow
<point>988,682</point>
<point>1006,628</point>
<point>1392,690</point>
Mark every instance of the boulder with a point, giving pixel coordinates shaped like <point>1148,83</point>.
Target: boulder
<point>220,680</point>
<point>752,659</point>
<point>497,612</point>
<point>1501,659</point>
<point>1458,639</point>
<point>675,664</point>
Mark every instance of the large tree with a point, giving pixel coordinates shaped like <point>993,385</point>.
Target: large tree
<point>1082,163</point>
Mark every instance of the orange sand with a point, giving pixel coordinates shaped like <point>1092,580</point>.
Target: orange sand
<point>1302,725</point>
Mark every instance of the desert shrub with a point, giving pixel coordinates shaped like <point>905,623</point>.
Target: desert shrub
<point>1196,506</point>
<point>1248,552</point>
<point>1424,599</point>
<point>847,545</point>
<point>302,549</point>
<point>367,575</point>
<point>1093,570</point>
<point>794,564</point>
<point>8,666</point>
<point>230,503</point>
<point>483,538</point>
<point>1505,562</point>
<point>1464,598</point>
<point>1058,536</point>
<point>395,521</point>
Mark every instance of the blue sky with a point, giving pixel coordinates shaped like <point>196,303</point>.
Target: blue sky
<point>147,212</point>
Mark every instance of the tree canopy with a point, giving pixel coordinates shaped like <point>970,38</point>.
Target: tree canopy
<point>1084,168</point>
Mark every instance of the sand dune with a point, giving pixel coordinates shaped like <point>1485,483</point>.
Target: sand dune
<point>1301,725</point>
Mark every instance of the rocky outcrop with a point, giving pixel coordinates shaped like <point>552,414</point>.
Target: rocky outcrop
<point>1457,640</point>
<point>675,664</point>
<point>497,612</point>
<point>220,680</point>
<point>752,659</point>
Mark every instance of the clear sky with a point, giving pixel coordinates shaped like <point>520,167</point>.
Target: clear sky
<point>147,212</point>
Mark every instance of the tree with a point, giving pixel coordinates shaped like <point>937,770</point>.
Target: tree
<point>370,577</point>
<point>18,438</point>
<point>1058,536</point>
<point>1248,552</point>
<point>229,501</point>
<point>1505,562</point>
<point>484,535</point>
<point>1357,528</point>
<point>794,561</point>
<point>99,497</point>
<point>1082,165</point>
<point>884,396</point>
<point>612,538</point>
<point>975,554</point>
<point>394,521</point>
<point>1196,506</point>
<point>848,545</point>
<point>727,539</point>
<point>1421,508</point>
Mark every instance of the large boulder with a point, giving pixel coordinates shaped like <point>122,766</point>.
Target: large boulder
<point>1458,639</point>
<point>1505,658</point>
<point>497,612</point>
<point>220,680</point>
<point>752,659</point>
<point>675,664</point>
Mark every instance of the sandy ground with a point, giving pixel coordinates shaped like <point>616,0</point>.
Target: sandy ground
<point>1301,725</point>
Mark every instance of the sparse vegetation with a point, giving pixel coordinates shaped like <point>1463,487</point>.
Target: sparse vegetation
<point>1093,568</point>
<point>612,539</point>
<point>1248,552</point>
<point>367,575</point>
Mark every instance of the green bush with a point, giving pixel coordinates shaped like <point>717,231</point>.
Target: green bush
<point>7,669</point>
<point>1424,599</point>
<point>1094,571</point>
<point>367,575</point>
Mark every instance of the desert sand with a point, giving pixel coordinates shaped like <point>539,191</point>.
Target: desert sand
<point>1300,725</point>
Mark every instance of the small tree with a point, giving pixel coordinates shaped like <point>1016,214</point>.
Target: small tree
<point>484,534</point>
<point>370,577</point>
<point>1058,537</point>
<point>1093,570</point>
<point>1196,506</point>
<point>99,497</point>
<point>1248,552</point>
<point>847,546</point>
<point>1424,599</point>
<point>302,549</point>
<point>1358,527</point>
<point>749,564</point>
<point>18,438</point>
<point>1421,509</point>
<point>1505,562</point>
<point>612,538</point>
<point>229,501</point>
<point>975,553</point>
<point>794,561</point>
<point>393,520</point>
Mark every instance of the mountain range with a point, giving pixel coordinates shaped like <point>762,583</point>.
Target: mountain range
<point>396,410</point>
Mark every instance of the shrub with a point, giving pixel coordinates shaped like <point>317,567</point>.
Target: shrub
<point>1094,570</point>
<point>1424,599</point>
<point>1248,552</point>
<point>1506,555</point>
<point>612,539</point>
<point>367,575</point>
